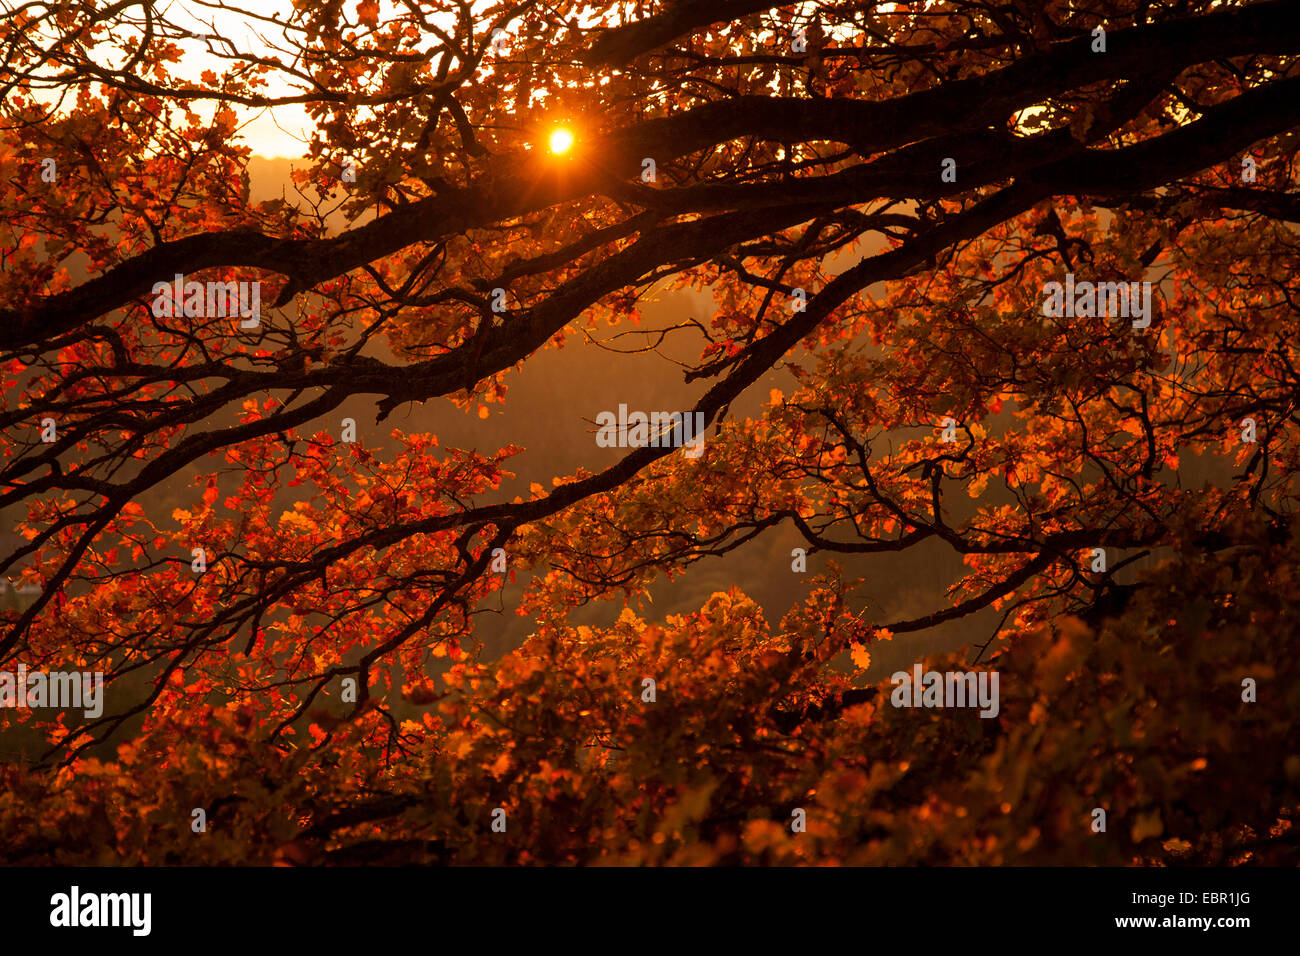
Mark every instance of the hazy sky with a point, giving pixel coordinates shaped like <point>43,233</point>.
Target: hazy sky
<point>572,385</point>
<point>280,132</point>
<point>284,130</point>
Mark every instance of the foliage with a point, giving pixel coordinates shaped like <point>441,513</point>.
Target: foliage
<point>784,173</point>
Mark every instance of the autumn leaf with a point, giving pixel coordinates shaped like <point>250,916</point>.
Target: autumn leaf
<point>672,662</point>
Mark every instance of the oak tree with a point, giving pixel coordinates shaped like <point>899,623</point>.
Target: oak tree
<point>877,199</point>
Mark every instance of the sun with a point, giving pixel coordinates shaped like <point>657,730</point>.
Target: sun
<point>561,141</point>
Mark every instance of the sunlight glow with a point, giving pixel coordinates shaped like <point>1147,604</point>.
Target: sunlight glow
<point>561,141</point>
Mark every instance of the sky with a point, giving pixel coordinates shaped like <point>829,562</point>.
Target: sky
<point>279,132</point>
<point>572,384</point>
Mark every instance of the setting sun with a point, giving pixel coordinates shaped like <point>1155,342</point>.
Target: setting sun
<point>561,141</point>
